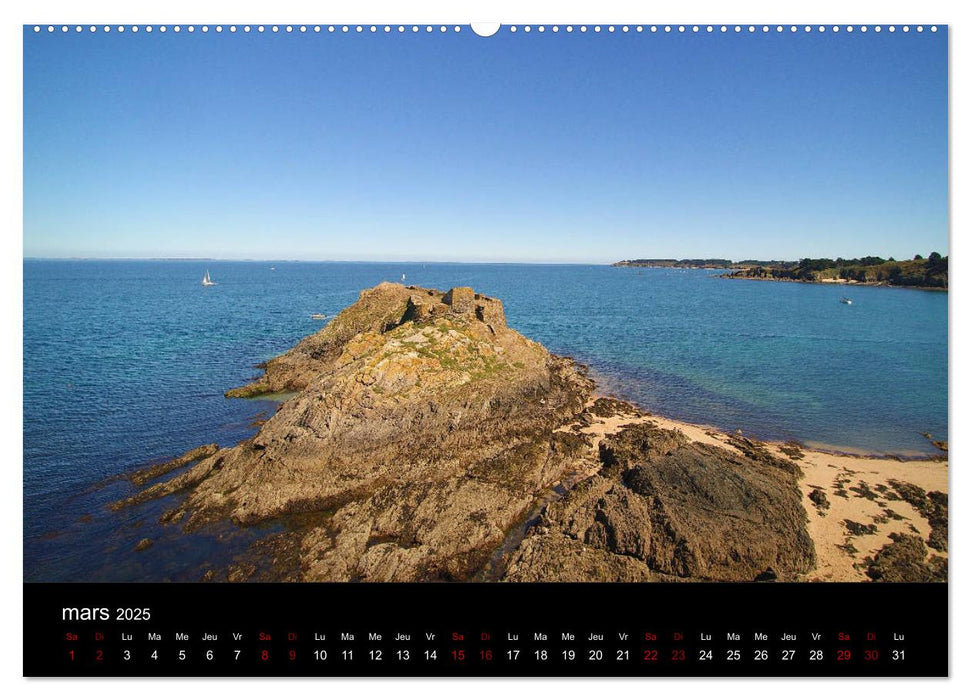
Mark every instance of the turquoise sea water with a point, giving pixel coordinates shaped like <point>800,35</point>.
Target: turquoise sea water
<point>125,364</point>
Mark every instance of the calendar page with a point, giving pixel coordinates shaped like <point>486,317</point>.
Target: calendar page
<point>485,350</point>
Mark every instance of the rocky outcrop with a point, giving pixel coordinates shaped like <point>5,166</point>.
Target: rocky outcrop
<point>425,434</point>
<point>663,506</point>
<point>905,560</point>
<point>423,429</point>
<point>933,506</point>
<point>142,476</point>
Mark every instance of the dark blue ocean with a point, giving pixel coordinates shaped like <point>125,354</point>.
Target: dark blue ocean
<point>125,364</point>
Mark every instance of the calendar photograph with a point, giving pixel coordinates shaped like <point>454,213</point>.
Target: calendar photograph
<point>544,304</point>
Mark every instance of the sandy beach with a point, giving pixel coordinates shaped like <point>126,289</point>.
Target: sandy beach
<point>851,500</point>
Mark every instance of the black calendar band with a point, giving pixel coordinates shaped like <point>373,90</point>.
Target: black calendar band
<point>468,629</point>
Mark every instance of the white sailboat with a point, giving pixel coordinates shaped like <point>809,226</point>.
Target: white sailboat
<point>206,282</point>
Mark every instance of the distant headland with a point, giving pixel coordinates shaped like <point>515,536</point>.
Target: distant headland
<point>925,273</point>
<point>929,273</point>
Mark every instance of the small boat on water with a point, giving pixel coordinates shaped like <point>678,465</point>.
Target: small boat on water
<point>206,282</point>
<point>846,300</point>
<point>402,276</point>
<point>318,317</point>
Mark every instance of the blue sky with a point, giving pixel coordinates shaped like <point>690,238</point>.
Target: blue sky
<point>540,147</point>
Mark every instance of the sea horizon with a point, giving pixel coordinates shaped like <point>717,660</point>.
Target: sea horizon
<point>309,260</point>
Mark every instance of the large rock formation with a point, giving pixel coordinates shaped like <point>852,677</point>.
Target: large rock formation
<point>423,429</point>
<point>423,434</point>
<point>663,507</point>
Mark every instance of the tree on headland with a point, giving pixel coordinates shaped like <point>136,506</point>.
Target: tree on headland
<point>935,265</point>
<point>918,257</point>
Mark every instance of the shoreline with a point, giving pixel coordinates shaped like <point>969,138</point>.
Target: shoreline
<point>832,282</point>
<point>606,387</point>
<point>805,445</point>
<point>848,525</point>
